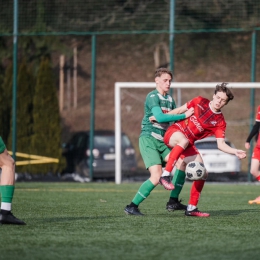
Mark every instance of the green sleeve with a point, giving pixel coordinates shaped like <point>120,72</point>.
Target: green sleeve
<point>164,118</point>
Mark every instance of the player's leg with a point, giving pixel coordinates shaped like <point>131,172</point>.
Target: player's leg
<point>254,170</point>
<point>179,177</point>
<point>195,192</point>
<point>7,189</point>
<point>178,181</point>
<point>149,149</point>
<point>179,143</point>
<point>166,180</point>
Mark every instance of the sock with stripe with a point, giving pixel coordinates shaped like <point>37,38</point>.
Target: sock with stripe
<point>178,181</point>
<point>143,192</point>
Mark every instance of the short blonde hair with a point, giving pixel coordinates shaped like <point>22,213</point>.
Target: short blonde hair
<point>160,71</point>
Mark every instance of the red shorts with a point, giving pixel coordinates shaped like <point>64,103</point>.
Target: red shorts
<point>189,151</point>
<point>172,129</point>
<point>256,153</point>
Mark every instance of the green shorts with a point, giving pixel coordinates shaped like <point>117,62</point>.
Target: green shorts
<point>153,151</point>
<point>2,145</point>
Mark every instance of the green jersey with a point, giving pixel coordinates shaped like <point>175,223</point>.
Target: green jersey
<point>155,99</point>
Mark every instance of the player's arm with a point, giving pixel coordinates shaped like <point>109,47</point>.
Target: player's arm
<point>160,117</point>
<point>254,131</point>
<point>227,149</point>
<point>179,110</point>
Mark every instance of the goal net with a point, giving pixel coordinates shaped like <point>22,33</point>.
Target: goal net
<point>129,111</point>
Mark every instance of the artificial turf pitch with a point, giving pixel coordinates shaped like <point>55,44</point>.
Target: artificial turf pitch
<point>87,221</point>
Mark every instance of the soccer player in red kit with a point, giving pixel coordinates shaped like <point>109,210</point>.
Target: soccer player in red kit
<point>255,160</point>
<point>207,120</point>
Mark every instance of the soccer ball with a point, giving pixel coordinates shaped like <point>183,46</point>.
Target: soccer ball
<point>195,171</point>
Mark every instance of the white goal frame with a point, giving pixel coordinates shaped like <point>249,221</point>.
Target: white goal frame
<point>174,85</point>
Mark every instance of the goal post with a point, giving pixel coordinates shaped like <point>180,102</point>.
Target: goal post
<point>151,85</point>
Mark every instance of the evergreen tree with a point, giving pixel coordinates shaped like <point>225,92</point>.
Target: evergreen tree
<point>46,140</point>
<point>6,103</point>
<point>24,114</point>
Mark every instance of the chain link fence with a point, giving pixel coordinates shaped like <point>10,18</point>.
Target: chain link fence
<point>212,42</point>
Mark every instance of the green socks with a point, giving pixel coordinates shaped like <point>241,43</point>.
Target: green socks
<point>178,182</point>
<point>143,192</point>
<point>146,188</point>
<point>7,193</point>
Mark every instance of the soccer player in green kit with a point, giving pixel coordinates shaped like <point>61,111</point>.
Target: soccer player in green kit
<point>7,165</point>
<point>154,152</point>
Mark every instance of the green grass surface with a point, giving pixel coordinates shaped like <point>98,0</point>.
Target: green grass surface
<point>86,221</point>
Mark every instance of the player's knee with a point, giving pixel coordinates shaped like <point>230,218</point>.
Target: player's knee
<point>154,180</point>
<point>157,179</point>
<point>10,163</point>
<point>185,142</point>
<point>181,165</point>
<point>254,172</point>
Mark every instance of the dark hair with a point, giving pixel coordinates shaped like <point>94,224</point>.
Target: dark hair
<point>223,88</point>
<point>160,71</point>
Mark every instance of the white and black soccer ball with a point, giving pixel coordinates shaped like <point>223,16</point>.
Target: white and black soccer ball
<point>195,171</point>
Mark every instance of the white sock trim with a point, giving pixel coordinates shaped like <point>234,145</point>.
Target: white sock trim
<point>6,206</point>
<point>165,173</point>
<point>191,207</point>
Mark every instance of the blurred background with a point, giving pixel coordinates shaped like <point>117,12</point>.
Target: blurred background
<point>60,60</point>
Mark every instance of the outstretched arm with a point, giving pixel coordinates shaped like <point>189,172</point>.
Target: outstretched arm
<point>173,115</point>
<point>179,110</point>
<point>227,149</point>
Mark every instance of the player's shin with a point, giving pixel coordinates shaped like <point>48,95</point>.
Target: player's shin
<point>173,157</point>
<point>178,182</point>
<point>143,192</point>
<point>195,192</point>
<point>7,192</point>
<point>174,203</point>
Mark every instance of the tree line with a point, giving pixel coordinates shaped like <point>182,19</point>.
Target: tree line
<point>38,120</point>
<point>115,15</point>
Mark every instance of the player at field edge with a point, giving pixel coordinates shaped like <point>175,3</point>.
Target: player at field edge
<point>207,120</point>
<point>7,187</point>
<point>255,159</point>
<point>155,153</point>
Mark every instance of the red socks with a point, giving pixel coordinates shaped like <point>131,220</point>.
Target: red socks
<point>196,189</point>
<point>258,178</point>
<point>174,156</point>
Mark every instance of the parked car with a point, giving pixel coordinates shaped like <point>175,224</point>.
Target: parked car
<point>77,154</point>
<point>215,160</point>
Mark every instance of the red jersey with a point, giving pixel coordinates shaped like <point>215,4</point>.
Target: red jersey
<point>204,122</point>
<point>258,120</point>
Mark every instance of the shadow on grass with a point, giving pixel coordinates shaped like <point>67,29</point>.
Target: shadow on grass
<point>213,213</point>
<point>232,212</point>
<point>68,219</point>
<point>105,218</point>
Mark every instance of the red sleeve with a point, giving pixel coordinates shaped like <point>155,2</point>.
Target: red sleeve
<point>258,114</point>
<point>220,131</point>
